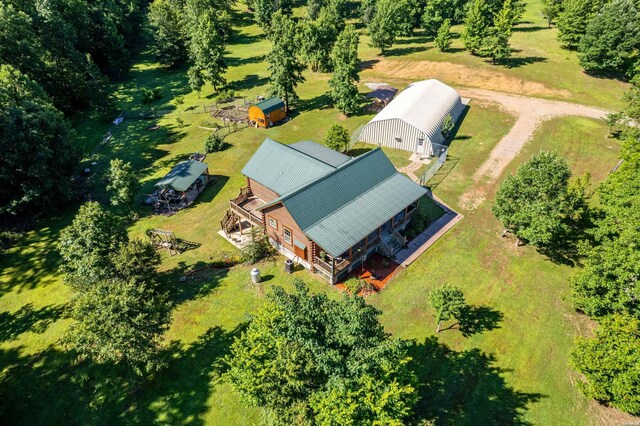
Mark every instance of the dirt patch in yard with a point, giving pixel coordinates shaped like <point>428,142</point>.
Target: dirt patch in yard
<point>462,75</point>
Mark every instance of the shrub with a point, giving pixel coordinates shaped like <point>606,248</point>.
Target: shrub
<point>417,225</point>
<point>258,248</point>
<point>215,143</point>
<point>150,95</point>
<point>356,285</point>
<point>225,95</point>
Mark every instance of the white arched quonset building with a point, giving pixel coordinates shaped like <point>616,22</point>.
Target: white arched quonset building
<point>413,120</point>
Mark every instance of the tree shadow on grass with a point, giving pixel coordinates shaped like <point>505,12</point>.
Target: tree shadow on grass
<point>179,393</point>
<point>464,388</point>
<point>248,82</point>
<point>34,260</point>
<point>236,62</point>
<point>531,29</point>
<point>356,152</point>
<point>519,61</point>
<point>368,64</point>
<point>51,387</point>
<point>318,102</point>
<point>478,319</point>
<point>196,285</point>
<point>402,51</point>
<point>27,318</point>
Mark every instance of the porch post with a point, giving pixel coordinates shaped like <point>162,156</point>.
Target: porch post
<point>333,266</point>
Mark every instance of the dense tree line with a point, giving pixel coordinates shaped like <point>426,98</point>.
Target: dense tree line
<point>38,155</point>
<point>69,47</point>
<point>607,287</point>
<point>605,33</point>
<point>55,55</point>
<point>195,32</point>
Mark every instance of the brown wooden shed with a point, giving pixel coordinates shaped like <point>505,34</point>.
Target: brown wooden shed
<point>268,112</point>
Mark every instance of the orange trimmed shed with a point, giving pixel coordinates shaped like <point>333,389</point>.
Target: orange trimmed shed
<point>268,112</point>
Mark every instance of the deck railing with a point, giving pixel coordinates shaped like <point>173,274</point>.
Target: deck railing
<point>246,214</point>
<point>244,195</point>
<point>401,239</point>
<point>321,264</point>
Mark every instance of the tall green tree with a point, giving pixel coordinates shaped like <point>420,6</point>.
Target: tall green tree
<point>343,81</point>
<point>610,363</point>
<point>86,246</point>
<point>443,38</point>
<point>437,11</point>
<point>135,260</point>
<point>387,23</point>
<point>122,182</point>
<point>496,41</point>
<point>367,10</point>
<point>573,20</point>
<point>285,67</point>
<point>120,323</point>
<point>318,37</point>
<point>476,25</point>
<point>608,283</point>
<point>313,8</point>
<point>551,9</point>
<point>206,50</point>
<point>536,203</point>
<point>47,44</point>
<point>264,11</point>
<point>304,356</point>
<point>38,153</point>
<point>169,33</point>
<point>448,302</point>
<point>612,40</point>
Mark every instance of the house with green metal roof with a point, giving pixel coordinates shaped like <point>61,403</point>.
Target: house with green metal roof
<point>323,209</point>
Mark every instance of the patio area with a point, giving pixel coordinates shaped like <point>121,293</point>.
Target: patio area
<point>377,271</point>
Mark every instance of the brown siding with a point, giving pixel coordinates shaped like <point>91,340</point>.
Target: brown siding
<point>262,191</point>
<point>280,213</point>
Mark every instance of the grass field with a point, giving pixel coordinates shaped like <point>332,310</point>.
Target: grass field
<point>511,369</point>
<point>539,67</point>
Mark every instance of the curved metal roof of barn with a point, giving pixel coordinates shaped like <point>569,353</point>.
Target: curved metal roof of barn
<point>423,104</point>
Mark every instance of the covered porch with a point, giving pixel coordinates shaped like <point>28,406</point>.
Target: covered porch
<point>386,240</point>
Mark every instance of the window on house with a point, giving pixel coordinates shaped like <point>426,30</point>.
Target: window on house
<point>273,223</point>
<point>420,141</point>
<point>287,235</point>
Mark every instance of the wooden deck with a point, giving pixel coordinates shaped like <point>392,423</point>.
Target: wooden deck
<point>374,272</point>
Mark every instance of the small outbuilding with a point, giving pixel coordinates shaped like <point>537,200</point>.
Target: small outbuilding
<point>413,120</point>
<point>267,113</point>
<point>181,186</point>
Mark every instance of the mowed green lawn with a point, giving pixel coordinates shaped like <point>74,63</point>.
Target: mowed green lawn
<point>514,368</point>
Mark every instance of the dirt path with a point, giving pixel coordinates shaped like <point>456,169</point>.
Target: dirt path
<point>529,113</point>
<point>411,169</point>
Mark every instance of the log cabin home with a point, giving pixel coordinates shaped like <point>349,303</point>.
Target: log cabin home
<point>323,209</point>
